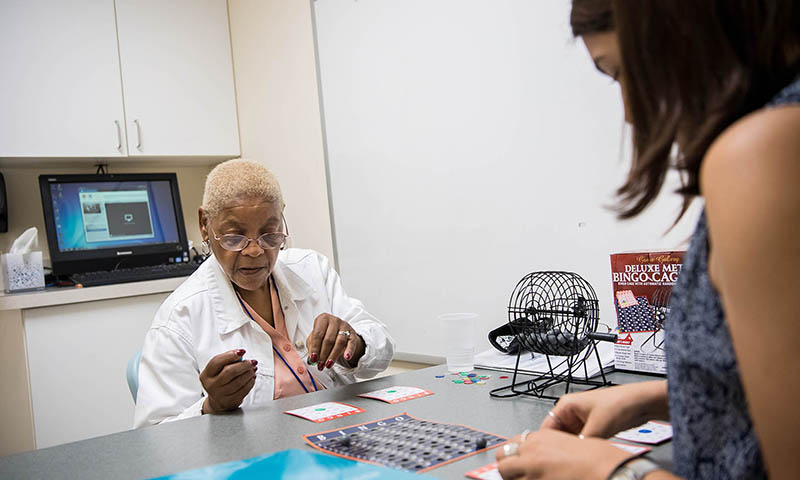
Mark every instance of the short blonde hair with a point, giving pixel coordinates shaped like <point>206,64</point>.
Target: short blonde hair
<point>239,178</point>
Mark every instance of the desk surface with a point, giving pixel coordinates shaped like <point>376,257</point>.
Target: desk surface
<point>211,439</point>
<point>66,295</point>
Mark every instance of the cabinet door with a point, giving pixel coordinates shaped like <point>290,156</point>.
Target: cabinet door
<point>177,77</point>
<point>60,93</point>
<point>77,359</point>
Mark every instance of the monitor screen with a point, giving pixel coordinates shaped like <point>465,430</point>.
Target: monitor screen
<point>96,216</point>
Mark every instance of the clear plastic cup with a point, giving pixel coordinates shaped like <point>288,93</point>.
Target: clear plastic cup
<point>458,340</point>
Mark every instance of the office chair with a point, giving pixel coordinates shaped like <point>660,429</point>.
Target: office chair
<point>133,374</point>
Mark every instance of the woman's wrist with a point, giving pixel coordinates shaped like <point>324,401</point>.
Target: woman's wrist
<point>634,468</point>
<point>208,407</point>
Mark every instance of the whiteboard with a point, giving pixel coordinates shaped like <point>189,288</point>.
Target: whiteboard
<point>470,142</point>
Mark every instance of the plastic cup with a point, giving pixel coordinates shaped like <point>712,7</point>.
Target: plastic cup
<point>458,340</point>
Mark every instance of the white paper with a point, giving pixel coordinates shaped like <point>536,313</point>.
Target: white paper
<point>651,432</point>
<point>396,394</point>
<point>636,450</point>
<point>26,242</point>
<point>493,359</point>
<point>325,411</point>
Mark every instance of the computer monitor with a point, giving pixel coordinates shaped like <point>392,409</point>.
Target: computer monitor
<point>103,222</point>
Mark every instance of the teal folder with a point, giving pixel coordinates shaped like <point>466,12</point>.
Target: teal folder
<point>294,465</point>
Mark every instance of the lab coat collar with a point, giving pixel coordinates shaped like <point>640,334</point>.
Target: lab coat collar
<point>228,310</point>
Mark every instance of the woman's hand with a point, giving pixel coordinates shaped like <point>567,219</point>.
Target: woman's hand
<point>550,454</point>
<point>227,379</point>
<point>605,412</point>
<point>326,344</point>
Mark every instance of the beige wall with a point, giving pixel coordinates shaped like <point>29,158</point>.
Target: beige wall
<point>280,125</point>
<point>16,414</point>
<point>25,203</point>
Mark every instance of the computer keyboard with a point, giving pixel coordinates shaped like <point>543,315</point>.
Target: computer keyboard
<point>135,274</point>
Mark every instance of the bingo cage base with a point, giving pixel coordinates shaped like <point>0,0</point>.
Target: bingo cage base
<point>555,314</point>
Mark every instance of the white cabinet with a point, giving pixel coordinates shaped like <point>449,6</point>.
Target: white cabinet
<point>60,91</point>
<point>99,78</point>
<point>77,358</point>
<point>177,77</point>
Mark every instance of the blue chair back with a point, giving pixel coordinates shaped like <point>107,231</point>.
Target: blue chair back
<point>133,374</point>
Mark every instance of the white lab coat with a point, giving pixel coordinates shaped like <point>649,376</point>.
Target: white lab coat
<point>203,318</point>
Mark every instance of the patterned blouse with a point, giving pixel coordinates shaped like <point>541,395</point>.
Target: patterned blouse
<point>713,431</point>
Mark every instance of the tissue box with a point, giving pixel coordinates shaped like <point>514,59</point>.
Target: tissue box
<point>23,271</point>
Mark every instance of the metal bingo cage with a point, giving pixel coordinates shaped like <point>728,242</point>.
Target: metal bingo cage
<point>660,306</point>
<point>555,314</point>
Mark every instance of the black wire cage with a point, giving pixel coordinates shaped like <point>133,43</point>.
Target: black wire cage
<point>660,306</point>
<point>555,314</point>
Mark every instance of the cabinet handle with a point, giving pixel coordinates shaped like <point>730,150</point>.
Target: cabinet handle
<point>138,134</point>
<point>119,136</point>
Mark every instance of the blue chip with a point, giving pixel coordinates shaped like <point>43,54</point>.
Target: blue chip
<point>439,376</point>
<point>472,375</point>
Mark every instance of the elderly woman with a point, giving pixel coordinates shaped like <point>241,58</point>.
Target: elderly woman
<point>256,321</point>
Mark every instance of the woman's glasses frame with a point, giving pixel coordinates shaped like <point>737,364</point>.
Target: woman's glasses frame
<point>237,243</point>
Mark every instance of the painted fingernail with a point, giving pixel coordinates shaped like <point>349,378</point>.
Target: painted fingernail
<point>240,352</point>
<point>313,357</point>
<point>329,363</point>
<point>254,362</point>
<point>320,366</point>
<point>347,356</point>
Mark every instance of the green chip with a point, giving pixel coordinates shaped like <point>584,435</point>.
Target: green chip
<point>391,391</point>
<point>458,381</point>
<point>319,409</point>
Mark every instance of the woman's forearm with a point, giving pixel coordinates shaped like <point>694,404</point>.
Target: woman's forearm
<point>654,400</point>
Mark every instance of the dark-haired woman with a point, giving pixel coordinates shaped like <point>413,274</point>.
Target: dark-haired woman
<point>721,80</point>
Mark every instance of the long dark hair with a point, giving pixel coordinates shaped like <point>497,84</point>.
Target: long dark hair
<point>591,16</point>
<point>690,71</point>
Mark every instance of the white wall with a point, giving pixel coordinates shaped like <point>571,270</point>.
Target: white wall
<point>470,143</point>
<point>279,112</point>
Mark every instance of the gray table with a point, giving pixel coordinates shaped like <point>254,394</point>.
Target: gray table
<point>211,439</point>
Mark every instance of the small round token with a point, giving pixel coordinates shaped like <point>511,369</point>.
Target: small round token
<point>458,381</point>
<point>319,409</point>
<point>472,375</point>
<point>463,374</point>
<point>467,382</point>
<point>503,377</point>
<point>439,376</point>
<point>391,391</point>
<point>481,382</point>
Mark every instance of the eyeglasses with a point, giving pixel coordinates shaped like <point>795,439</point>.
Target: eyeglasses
<point>237,243</point>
